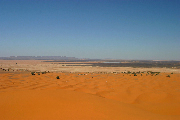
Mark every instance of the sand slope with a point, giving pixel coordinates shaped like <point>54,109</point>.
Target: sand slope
<point>89,96</point>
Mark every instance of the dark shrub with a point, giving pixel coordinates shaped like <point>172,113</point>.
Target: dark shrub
<point>168,76</point>
<point>32,73</point>
<point>43,72</point>
<point>57,77</point>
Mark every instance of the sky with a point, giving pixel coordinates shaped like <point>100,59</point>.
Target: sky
<point>96,29</point>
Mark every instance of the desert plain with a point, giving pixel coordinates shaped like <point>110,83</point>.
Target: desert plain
<point>86,92</point>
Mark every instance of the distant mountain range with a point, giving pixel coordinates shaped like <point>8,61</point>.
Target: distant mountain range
<point>38,58</point>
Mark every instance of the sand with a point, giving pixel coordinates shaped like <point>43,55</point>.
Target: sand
<point>40,65</point>
<point>90,96</point>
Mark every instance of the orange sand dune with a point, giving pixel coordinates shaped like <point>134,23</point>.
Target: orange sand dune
<point>79,96</point>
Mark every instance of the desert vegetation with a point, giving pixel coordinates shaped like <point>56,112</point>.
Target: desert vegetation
<point>137,88</point>
<point>57,77</point>
<point>32,73</point>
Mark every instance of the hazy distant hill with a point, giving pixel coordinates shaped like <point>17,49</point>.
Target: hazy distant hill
<point>38,58</point>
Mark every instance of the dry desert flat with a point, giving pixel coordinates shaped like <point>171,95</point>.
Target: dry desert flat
<point>87,93</point>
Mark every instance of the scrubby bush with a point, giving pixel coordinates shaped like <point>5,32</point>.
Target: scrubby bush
<point>133,72</point>
<point>43,72</point>
<point>57,77</point>
<point>168,76</point>
<point>32,73</point>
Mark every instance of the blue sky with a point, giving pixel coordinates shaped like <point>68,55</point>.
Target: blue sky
<point>117,29</point>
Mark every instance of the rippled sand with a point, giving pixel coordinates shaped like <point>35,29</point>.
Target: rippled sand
<point>90,96</point>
